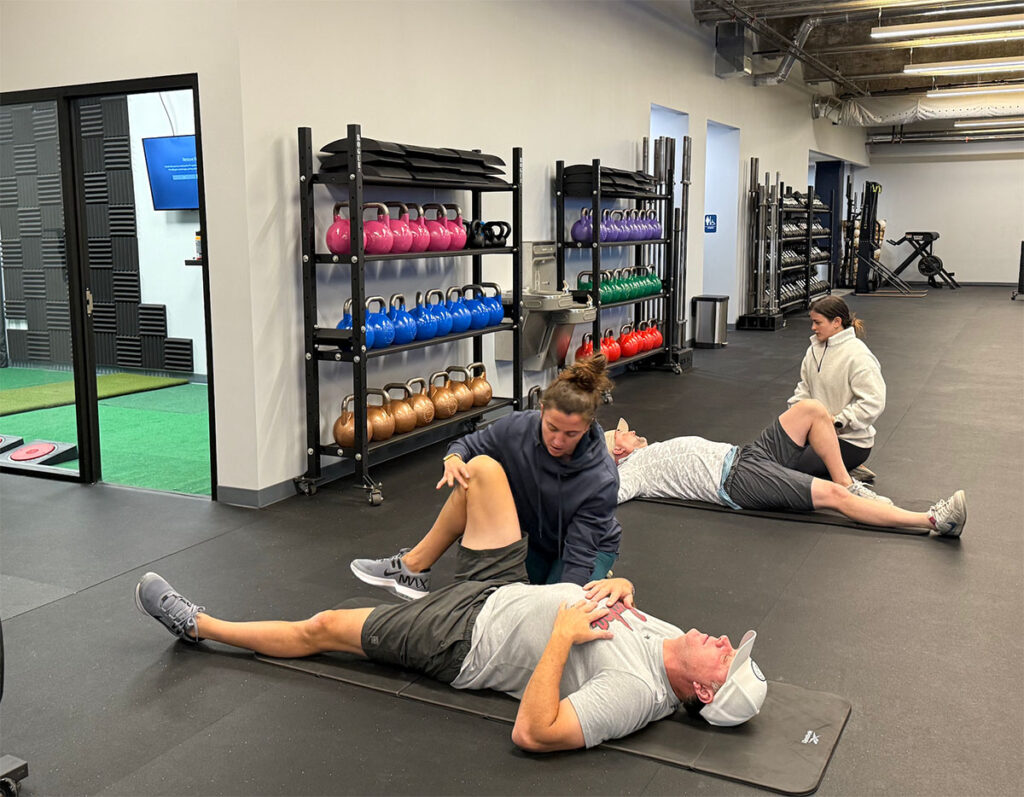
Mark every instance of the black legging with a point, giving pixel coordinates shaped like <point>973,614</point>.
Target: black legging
<point>811,463</point>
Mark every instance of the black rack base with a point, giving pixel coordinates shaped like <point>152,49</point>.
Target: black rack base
<point>768,323</point>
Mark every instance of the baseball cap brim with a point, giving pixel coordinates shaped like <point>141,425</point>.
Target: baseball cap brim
<point>609,437</point>
<point>744,690</point>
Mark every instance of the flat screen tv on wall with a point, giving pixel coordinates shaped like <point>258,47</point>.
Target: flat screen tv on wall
<point>173,176</point>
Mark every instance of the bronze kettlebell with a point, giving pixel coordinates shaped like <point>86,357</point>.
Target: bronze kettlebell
<point>463,395</point>
<point>345,426</point>
<point>479,385</point>
<point>405,416</point>
<point>379,416</point>
<point>420,402</point>
<point>445,403</point>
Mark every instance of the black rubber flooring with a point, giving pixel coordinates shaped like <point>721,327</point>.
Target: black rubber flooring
<point>923,635</point>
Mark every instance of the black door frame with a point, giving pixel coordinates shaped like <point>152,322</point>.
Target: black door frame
<point>72,187</point>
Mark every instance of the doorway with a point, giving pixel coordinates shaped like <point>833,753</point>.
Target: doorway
<point>721,214</point>
<point>130,356</point>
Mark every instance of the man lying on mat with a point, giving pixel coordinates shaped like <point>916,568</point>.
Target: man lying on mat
<point>759,476</point>
<point>586,664</point>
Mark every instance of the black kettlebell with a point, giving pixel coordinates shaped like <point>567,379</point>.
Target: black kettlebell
<point>496,233</point>
<point>475,236</point>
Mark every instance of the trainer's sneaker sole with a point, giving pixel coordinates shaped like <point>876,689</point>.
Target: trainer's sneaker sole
<point>390,584</point>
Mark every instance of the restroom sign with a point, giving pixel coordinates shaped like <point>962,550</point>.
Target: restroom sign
<point>710,222</point>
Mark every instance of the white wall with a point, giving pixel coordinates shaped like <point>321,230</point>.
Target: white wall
<point>971,194</point>
<point>167,237</point>
<point>721,197</point>
<point>467,74</point>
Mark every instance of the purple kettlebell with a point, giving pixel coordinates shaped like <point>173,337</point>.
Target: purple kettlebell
<point>583,230</point>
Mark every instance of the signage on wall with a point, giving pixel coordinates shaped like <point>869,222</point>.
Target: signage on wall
<point>710,222</point>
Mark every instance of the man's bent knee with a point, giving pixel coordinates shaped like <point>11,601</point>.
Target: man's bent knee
<point>812,406</point>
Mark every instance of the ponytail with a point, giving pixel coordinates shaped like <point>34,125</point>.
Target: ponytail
<point>579,388</point>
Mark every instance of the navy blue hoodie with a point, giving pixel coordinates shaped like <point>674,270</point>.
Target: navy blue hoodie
<point>566,508</point>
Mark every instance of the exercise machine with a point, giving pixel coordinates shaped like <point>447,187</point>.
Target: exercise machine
<point>873,278</point>
<point>930,265</point>
<point>12,770</point>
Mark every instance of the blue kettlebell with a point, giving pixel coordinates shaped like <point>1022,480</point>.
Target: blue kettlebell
<point>439,311</point>
<point>426,321</point>
<point>405,324</point>
<point>478,308</point>
<point>494,303</point>
<point>383,329</point>
<point>461,317</point>
<point>346,323</point>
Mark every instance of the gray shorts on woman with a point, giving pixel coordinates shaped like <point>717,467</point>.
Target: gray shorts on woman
<point>432,635</point>
<point>761,475</point>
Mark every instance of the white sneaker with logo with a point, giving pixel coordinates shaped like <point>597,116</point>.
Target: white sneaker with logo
<point>863,491</point>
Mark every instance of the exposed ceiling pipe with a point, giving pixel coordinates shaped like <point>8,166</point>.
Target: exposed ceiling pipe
<point>947,136</point>
<point>781,74</point>
<point>771,9</point>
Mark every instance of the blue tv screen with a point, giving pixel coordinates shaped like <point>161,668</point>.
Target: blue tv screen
<point>173,176</point>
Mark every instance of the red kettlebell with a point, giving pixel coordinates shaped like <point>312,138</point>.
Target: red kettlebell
<point>587,347</point>
<point>418,228</point>
<point>379,238</point>
<point>643,337</point>
<point>440,235</point>
<point>339,234</point>
<point>627,341</point>
<point>610,347</point>
<point>659,339</point>
<point>456,228</point>
<point>400,232</point>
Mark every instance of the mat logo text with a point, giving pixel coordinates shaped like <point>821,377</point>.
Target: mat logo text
<point>810,738</point>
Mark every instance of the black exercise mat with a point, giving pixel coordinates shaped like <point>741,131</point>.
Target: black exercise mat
<point>822,516</point>
<point>786,748</point>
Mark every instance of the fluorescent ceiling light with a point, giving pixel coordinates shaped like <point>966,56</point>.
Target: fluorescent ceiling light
<point>964,91</point>
<point>968,38</point>
<point>1000,121</point>
<point>948,26</point>
<point>972,67</point>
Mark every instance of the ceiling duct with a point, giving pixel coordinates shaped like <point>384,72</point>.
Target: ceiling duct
<point>874,111</point>
<point>944,136</point>
<point>734,47</point>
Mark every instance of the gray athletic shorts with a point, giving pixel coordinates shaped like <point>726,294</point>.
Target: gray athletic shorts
<point>432,635</point>
<point>761,475</point>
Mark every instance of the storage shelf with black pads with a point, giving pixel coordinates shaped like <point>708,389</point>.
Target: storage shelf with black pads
<point>357,164</point>
<point>658,253</point>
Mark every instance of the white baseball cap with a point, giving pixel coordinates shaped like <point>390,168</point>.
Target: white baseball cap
<point>743,692</point>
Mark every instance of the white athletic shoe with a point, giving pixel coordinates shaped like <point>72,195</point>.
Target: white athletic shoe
<point>949,516</point>
<point>862,490</point>
<point>862,473</point>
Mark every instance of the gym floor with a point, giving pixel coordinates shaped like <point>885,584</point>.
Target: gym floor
<point>923,635</point>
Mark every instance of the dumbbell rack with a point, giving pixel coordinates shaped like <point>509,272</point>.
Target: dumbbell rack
<point>659,253</point>
<point>322,344</point>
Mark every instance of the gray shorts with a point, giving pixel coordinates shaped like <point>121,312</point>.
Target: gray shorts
<point>762,475</point>
<point>432,635</point>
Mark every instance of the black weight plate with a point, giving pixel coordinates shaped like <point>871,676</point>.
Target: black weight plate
<point>483,157</point>
<point>368,145</point>
<point>339,160</point>
<point>474,167</point>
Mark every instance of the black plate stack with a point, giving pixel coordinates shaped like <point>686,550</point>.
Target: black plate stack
<point>410,162</point>
<point>614,182</point>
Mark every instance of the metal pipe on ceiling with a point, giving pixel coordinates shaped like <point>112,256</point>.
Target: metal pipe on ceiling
<point>948,136</point>
<point>769,9</point>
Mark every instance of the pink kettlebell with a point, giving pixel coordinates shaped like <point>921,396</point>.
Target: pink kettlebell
<point>418,228</point>
<point>339,234</point>
<point>400,231</point>
<point>379,238</point>
<point>440,235</point>
<point>455,227</point>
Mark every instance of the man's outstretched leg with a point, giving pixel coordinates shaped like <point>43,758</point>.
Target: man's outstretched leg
<point>407,573</point>
<point>947,517</point>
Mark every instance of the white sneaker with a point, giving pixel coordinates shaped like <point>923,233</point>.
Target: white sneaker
<point>863,491</point>
<point>862,473</point>
<point>949,516</point>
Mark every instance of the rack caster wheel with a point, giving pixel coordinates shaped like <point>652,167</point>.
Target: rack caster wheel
<point>9,788</point>
<point>606,397</point>
<point>305,487</point>
<point>375,498</point>
<point>677,369</point>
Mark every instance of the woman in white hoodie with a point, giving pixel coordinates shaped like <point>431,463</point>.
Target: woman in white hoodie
<point>840,371</point>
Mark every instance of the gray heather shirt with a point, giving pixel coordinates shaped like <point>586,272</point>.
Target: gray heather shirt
<point>689,468</point>
<point>615,685</point>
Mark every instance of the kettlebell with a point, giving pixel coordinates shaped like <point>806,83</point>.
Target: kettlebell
<point>643,338</point>
<point>440,235</point>
<point>494,303</point>
<point>379,416</point>
<point>383,329</point>
<point>583,229</point>
<point>496,234</point>
<point>426,321</point>
<point>627,343</point>
<point>339,234</point>
<point>346,323</point>
<point>655,224</point>
<point>609,346</point>
<point>444,401</point>
<point>420,402</point>
<point>586,347</point>
<point>475,234</point>
<point>479,385</point>
<point>609,233</point>
<point>439,311</point>
<point>405,416</point>
<point>379,238</point>
<point>405,324</point>
<point>345,426</point>
<point>418,228</point>
<point>401,233</point>
<point>480,312</point>
<point>460,389</point>
<point>346,318</point>
<point>455,227</point>
<point>461,317</point>
<point>659,339</point>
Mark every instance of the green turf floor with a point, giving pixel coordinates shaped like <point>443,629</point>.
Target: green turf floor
<point>159,439</point>
<point>15,378</point>
<point>56,394</point>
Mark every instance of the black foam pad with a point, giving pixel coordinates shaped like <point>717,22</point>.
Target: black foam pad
<point>821,516</point>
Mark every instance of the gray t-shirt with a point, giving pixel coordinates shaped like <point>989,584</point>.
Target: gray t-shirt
<point>689,468</point>
<point>615,685</point>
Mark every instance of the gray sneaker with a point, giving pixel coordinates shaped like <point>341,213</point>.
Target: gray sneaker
<point>392,574</point>
<point>862,473</point>
<point>860,489</point>
<point>949,516</point>
<point>157,598</point>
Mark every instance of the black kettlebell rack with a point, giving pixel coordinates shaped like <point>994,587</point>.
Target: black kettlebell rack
<point>349,345</point>
<point>650,192</point>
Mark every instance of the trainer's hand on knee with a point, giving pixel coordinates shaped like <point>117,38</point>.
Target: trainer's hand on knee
<point>610,590</point>
<point>573,622</point>
<point>455,470</point>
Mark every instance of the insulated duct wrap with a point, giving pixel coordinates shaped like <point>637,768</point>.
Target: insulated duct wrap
<point>876,111</point>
